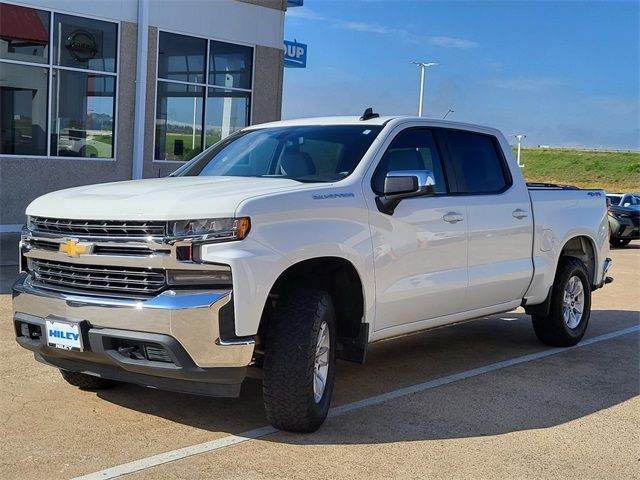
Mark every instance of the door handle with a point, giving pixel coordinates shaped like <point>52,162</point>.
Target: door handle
<point>519,214</point>
<point>453,217</point>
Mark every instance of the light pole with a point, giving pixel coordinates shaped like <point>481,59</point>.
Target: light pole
<point>448,112</point>
<point>519,137</point>
<point>423,66</point>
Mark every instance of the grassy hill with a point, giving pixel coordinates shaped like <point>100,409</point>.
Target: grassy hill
<point>611,171</point>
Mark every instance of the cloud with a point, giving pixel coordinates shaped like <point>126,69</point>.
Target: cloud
<point>304,13</point>
<point>368,27</point>
<point>452,42</point>
<point>528,84</point>
<point>361,26</point>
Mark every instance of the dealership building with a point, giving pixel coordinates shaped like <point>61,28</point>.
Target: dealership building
<point>106,90</point>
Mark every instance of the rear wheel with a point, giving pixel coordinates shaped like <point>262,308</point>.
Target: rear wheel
<point>570,308</point>
<point>299,361</point>
<point>87,382</point>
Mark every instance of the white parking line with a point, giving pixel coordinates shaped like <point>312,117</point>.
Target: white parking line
<point>230,440</point>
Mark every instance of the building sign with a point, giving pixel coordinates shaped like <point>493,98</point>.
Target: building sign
<point>294,3</point>
<point>295,54</point>
<point>81,45</point>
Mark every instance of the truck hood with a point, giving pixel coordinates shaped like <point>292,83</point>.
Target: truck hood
<point>171,198</point>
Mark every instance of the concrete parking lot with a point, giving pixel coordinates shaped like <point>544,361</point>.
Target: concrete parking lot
<point>534,412</point>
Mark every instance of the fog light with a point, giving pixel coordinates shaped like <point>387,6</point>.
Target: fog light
<point>199,277</point>
<point>24,329</point>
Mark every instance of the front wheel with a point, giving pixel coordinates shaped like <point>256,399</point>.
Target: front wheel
<point>570,308</point>
<point>299,361</point>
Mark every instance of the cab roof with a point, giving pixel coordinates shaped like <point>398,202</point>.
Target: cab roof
<point>354,120</point>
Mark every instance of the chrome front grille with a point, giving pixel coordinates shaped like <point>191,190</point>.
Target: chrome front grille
<point>98,228</point>
<point>114,249</point>
<point>98,279</point>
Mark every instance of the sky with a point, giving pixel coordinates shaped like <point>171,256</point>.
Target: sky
<point>563,73</point>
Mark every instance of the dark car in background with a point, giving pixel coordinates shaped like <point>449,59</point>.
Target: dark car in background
<point>624,218</point>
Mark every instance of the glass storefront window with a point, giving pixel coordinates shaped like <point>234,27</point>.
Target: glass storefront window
<point>181,57</point>
<point>181,120</point>
<point>48,106</point>
<point>24,34</point>
<point>83,111</point>
<point>23,109</point>
<point>227,112</point>
<point>178,121</point>
<point>230,65</point>
<point>85,43</point>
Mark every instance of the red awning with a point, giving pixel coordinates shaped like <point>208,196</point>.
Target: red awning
<point>22,24</point>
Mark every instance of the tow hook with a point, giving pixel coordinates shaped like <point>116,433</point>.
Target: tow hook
<point>131,352</point>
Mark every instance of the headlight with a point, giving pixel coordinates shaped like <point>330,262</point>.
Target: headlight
<point>617,215</point>
<point>220,229</point>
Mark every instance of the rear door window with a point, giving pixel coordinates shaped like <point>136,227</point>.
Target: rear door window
<point>477,162</point>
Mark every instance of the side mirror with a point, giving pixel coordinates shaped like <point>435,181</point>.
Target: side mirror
<point>402,184</point>
<point>626,204</point>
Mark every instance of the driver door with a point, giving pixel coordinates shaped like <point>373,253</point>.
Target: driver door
<point>420,251</point>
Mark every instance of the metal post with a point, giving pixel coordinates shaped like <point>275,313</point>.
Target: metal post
<point>193,127</point>
<point>141,89</point>
<point>519,137</point>
<point>422,69</point>
<point>423,66</point>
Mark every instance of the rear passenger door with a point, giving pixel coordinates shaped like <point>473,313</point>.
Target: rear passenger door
<point>499,219</point>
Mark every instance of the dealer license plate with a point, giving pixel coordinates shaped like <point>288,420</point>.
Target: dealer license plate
<point>64,335</point>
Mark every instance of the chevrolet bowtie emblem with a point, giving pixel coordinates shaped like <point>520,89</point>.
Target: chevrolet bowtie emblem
<point>74,249</point>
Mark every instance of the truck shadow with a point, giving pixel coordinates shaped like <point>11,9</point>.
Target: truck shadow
<point>533,395</point>
<point>635,245</point>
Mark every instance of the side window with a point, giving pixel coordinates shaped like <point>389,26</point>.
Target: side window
<point>477,164</point>
<point>412,149</point>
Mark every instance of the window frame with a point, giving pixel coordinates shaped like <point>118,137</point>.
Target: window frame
<point>451,170</point>
<point>441,153</point>
<point>206,85</point>
<point>50,66</point>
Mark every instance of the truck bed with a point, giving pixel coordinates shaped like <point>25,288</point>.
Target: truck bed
<point>561,212</point>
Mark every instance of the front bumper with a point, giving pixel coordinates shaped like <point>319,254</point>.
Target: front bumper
<point>624,227</point>
<point>184,324</point>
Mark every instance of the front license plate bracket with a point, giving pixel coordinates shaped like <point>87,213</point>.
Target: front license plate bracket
<point>64,334</point>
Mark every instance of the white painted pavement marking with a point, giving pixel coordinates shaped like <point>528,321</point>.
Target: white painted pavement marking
<point>231,440</point>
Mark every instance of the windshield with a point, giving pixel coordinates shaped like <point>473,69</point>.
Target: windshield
<point>321,153</point>
<point>631,200</point>
<point>615,199</point>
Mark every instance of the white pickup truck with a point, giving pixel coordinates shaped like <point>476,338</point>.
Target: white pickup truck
<point>289,245</point>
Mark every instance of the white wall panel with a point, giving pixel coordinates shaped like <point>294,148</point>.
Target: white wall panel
<point>125,10</point>
<point>223,19</point>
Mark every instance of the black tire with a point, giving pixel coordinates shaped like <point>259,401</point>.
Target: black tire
<point>87,382</point>
<point>619,242</point>
<point>552,328</point>
<point>289,360</point>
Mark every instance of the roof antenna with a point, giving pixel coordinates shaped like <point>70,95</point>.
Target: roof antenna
<point>368,114</point>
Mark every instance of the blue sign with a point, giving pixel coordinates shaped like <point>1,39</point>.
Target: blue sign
<point>295,55</point>
<point>295,3</point>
